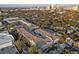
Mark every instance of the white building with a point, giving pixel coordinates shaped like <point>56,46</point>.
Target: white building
<point>12,19</point>
<point>72,8</point>
<point>75,8</point>
<point>6,40</point>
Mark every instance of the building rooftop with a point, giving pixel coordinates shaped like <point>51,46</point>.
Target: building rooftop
<point>9,50</point>
<point>12,19</point>
<point>5,38</point>
<point>40,42</point>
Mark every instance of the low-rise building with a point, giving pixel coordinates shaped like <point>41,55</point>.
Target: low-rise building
<point>9,50</point>
<point>6,40</point>
<point>12,19</point>
<point>7,44</point>
<point>34,40</point>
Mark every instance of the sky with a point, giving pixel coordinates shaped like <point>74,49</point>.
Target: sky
<point>22,5</point>
<point>32,5</point>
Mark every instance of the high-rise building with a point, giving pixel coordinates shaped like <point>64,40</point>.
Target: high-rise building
<point>56,6</point>
<point>50,7</point>
<point>75,8</point>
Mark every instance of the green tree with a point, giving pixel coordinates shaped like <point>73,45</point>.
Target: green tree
<point>35,50</point>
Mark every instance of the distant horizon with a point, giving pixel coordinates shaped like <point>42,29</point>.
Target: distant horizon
<point>21,5</point>
<point>33,5</point>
